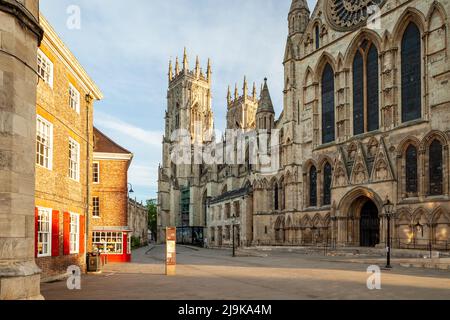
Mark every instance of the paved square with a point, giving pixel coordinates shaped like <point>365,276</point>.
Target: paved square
<point>214,274</point>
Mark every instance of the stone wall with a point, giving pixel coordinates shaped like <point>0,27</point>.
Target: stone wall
<point>138,221</point>
<point>20,35</point>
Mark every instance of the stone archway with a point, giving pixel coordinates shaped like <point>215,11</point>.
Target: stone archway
<point>359,222</point>
<point>369,225</point>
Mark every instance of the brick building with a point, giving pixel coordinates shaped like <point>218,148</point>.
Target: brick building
<point>138,221</point>
<point>64,152</point>
<point>109,231</point>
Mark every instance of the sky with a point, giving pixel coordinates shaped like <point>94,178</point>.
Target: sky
<point>125,46</point>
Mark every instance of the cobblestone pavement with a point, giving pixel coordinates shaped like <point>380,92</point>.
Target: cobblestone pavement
<point>214,274</point>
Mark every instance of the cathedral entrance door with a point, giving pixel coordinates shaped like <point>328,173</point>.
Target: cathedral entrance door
<point>369,225</point>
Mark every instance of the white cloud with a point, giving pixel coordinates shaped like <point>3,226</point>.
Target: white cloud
<point>150,138</point>
<point>145,176</point>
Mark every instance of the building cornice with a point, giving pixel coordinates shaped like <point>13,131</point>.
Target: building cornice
<point>18,10</point>
<point>112,156</point>
<point>52,41</point>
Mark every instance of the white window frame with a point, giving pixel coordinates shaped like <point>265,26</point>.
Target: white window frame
<point>94,205</point>
<point>106,239</point>
<point>96,164</point>
<point>48,212</point>
<point>74,164</point>
<point>49,146</point>
<point>74,233</point>
<point>74,98</point>
<point>46,67</point>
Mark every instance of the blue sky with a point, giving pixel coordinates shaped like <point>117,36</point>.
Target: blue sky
<point>125,46</point>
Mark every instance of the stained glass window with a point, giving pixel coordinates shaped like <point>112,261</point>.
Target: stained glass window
<point>365,89</point>
<point>411,74</point>
<point>411,170</point>
<point>328,133</point>
<point>436,168</point>
<point>327,175</point>
<point>372,89</point>
<point>275,200</point>
<point>358,94</point>
<point>313,187</point>
<point>317,37</point>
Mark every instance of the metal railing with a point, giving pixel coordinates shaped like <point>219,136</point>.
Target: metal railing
<point>421,244</point>
<point>328,244</point>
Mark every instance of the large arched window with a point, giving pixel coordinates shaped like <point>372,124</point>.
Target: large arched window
<point>328,132</point>
<point>205,207</point>
<point>411,170</point>
<point>327,176</point>
<point>317,32</point>
<point>276,202</point>
<point>313,187</point>
<point>365,89</point>
<point>436,168</point>
<point>411,74</point>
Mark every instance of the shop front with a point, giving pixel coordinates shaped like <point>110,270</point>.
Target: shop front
<point>113,245</point>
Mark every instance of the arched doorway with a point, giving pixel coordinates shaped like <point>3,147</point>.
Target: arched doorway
<point>369,225</point>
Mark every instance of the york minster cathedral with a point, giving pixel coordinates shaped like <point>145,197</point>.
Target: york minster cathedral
<point>365,121</point>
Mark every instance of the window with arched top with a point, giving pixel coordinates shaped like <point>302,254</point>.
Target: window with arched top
<point>313,187</point>
<point>436,170</point>
<point>411,168</point>
<point>328,105</point>
<point>411,73</point>
<point>365,89</point>
<point>317,32</point>
<point>327,177</point>
<point>276,204</point>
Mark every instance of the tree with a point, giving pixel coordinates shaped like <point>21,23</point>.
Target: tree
<point>152,216</point>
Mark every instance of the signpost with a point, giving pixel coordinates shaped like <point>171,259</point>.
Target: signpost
<point>171,252</point>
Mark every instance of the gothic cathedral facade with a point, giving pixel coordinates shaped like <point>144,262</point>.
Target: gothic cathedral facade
<point>366,119</point>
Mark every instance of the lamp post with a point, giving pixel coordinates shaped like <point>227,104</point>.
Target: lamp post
<point>130,190</point>
<point>233,221</point>
<point>388,212</point>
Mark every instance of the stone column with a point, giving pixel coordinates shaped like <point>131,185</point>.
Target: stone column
<point>20,36</point>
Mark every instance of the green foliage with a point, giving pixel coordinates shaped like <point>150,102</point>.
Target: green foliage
<point>135,242</point>
<point>152,215</point>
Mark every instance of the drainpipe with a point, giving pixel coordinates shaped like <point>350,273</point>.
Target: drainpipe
<point>88,175</point>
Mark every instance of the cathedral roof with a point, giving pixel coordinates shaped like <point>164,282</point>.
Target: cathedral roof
<point>265,102</point>
<point>299,4</point>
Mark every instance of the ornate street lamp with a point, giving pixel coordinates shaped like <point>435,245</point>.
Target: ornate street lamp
<point>388,208</point>
<point>131,188</point>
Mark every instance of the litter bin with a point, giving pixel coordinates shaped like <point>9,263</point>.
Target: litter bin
<point>93,262</point>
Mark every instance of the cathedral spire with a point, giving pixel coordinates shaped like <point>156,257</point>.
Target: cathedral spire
<point>254,90</point>
<point>245,88</point>
<point>229,95</point>
<point>265,103</point>
<point>170,70</point>
<point>185,60</point>
<point>298,17</point>
<point>177,67</point>
<point>197,66</point>
<point>236,92</point>
<point>209,70</point>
